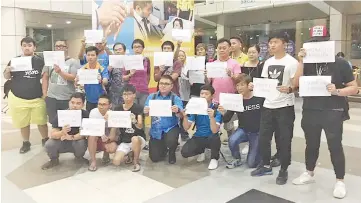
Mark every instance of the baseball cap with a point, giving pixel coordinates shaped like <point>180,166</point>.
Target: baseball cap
<point>319,33</point>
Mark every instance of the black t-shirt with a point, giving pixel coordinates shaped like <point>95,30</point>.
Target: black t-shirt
<point>26,84</point>
<point>249,120</point>
<point>340,73</point>
<point>74,130</point>
<point>126,134</point>
<point>254,72</point>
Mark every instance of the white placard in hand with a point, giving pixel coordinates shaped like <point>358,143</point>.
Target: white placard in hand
<point>163,58</point>
<point>314,86</point>
<point>231,102</point>
<point>266,88</point>
<point>116,61</point>
<point>319,52</point>
<point>93,36</point>
<point>196,76</point>
<point>161,108</point>
<point>54,57</point>
<point>197,106</point>
<point>61,80</point>
<point>21,64</point>
<point>184,35</point>
<point>196,63</point>
<point>93,127</point>
<point>119,119</point>
<point>217,70</point>
<point>88,76</point>
<point>134,62</point>
<point>69,117</point>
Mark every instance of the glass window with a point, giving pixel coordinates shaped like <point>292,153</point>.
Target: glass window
<point>356,40</point>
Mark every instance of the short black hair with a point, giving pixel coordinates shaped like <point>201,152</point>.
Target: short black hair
<point>28,40</point>
<point>278,35</point>
<point>92,48</point>
<point>168,77</point>
<point>119,43</point>
<point>340,54</point>
<point>105,96</point>
<point>256,46</point>
<point>138,41</point>
<point>180,22</point>
<point>209,88</point>
<point>237,38</point>
<point>168,43</point>
<point>223,40</point>
<point>78,95</point>
<point>129,88</point>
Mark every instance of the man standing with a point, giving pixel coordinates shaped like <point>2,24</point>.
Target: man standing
<point>237,50</point>
<point>279,110</point>
<point>326,113</point>
<point>26,101</point>
<point>103,55</point>
<point>58,82</point>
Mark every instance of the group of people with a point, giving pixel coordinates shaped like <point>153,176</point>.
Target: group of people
<point>121,90</point>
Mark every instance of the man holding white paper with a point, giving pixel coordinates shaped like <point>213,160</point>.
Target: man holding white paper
<point>67,139</point>
<point>164,131</point>
<point>26,101</point>
<point>103,55</point>
<point>325,113</point>
<point>207,133</point>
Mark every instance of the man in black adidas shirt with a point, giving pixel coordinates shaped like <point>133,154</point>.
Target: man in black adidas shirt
<point>25,97</point>
<point>325,113</point>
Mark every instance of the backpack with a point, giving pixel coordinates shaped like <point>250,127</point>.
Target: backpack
<point>214,107</point>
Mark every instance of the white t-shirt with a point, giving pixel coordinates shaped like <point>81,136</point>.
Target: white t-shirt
<point>283,70</point>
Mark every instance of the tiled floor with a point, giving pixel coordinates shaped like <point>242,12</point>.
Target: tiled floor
<point>187,181</point>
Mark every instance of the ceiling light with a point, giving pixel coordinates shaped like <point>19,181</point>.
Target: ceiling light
<point>49,25</point>
<point>68,22</point>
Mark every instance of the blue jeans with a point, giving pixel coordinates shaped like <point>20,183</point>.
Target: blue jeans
<point>240,136</point>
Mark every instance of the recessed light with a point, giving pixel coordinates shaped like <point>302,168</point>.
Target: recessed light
<point>68,22</point>
<point>49,25</point>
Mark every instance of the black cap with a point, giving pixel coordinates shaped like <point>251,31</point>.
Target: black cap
<point>282,35</point>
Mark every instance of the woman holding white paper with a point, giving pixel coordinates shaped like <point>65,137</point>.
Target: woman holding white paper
<point>116,77</point>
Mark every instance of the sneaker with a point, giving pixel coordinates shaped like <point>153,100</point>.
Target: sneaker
<point>304,178</point>
<point>234,163</point>
<point>25,148</point>
<point>172,159</point>
<point>136,168</point>
<point>201,157</point>
<point>275,162</point>
<point>340,190</point>
<point>213,164</point>
<point>245,150</point>
<point>282,177</point>
<point>261,171</point>
<point>50,164</point>
<point>43,141</point>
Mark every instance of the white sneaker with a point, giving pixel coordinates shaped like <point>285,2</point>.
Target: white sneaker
<point>213,164</point>
<point>245,150</point>
<point>201,157</point>
<point>340,190</point>
<point>305,178</point>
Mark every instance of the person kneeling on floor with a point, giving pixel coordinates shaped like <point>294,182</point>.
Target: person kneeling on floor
<point>67,139</point>
<point>206,135</point>
<point>248,124</point>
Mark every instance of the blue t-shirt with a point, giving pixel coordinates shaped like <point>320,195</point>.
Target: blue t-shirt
<point>161,125</point>
<point>93,91</point>
<point>103,60</point>
<point>203,123</point>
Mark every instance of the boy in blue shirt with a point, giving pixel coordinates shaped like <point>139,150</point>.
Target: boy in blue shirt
<point>206,135</point>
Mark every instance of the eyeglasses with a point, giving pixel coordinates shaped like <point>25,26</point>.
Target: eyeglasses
<point>60,46</point>
<point>164,84</point>
<point>127,94</point>
<point>137,47</point>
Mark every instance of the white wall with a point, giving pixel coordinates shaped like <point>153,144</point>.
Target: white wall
<point>74,36</point>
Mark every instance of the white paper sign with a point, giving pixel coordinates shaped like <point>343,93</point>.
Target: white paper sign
<point>196,63</point>
<point>88,76</point>
<point>54,57</point>
<point>116,61</point>
<point>217,70</point>
<point>134,62</point>
<point>21,64</point>
<point>93,127</point>
<point>184,35</point>
<point>314,86</point>
<point>231,102</point>
<point>267,88</point>
<point>160,108</point>
<point>119,119</point>
<point>196,76</point>
<point>69,117</point>
<point>93,36</point>
<point>319,52</point>
<point>197,106</point>
<point>163,58</point>
<point>61,80</point>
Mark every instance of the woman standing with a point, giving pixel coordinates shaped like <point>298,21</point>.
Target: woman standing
<point>116,77</point>
<point>253,67</point>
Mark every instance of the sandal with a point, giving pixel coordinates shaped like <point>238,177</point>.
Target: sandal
<point>136,168</point>
<point>92,168</point>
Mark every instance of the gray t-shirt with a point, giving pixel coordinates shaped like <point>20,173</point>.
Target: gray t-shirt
<point>59,88</point>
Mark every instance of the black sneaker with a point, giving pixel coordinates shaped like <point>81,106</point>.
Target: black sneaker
<point>282,177</point>
<point>171,158</point>
<point>50,164</point>
<point>43,141</point>
<point>275,162</point>
<point>25,148</point>
<point>261,171</point>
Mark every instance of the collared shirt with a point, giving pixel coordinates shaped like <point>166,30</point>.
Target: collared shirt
<point>241,59</point>
<point>139,29</point>
<point>161,125</point>
<point>93,91</point>
<point>203,123</point>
